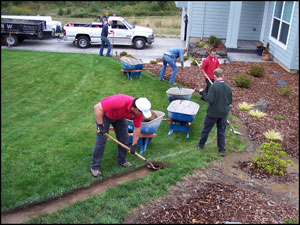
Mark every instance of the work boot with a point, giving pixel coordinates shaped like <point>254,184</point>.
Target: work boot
<point>200,147</point>
<point>127,164</point>
<point>222,154</point>
<point>96,173</point>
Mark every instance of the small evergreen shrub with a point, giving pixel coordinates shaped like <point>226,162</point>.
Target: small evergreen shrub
<point>193,63</point>
<point>284,91</point>
<point>213,40</point>
<point>256,71</point>
<point>277,117</point>
<point>200,44</point>
<point>269,158</point>
<point>242,80</point>
<point>153,62</point>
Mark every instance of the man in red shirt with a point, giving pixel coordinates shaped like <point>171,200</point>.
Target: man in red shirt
<point>114,110</point>
<point>208,67</point>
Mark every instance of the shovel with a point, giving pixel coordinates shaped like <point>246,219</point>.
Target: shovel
<point>128,149</point>
<point>231,127</point>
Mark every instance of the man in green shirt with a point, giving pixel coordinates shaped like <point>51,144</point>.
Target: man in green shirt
<point>219,97</point>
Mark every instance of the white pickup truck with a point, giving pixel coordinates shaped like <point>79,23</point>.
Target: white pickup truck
<point>124,33</point>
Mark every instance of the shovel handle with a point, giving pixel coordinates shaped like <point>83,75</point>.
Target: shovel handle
<point>124,146</point>
<point>204,73</point>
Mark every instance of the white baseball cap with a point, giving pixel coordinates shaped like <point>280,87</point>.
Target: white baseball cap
<point>144,106</point>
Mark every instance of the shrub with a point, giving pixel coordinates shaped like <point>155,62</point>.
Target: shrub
<point>244,106</point>
<point>256,113</point>
<point>200,44</point>
<point>256,71</point>
<point>60,12</point>
<point>273,135</point>
<point>185,57</point>
<point>277,117</point>
<point>153,62</point>
<point>284,91</point>
<point>193,63</point>
<point>242,80</point>
<point>269,158</point>
<point>213,40</point>
<point>123,53</point>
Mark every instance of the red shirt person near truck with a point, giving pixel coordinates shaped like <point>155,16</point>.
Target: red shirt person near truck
<point>208,67</point>
<point>114,110</point>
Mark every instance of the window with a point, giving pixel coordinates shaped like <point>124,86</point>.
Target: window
<point>282,21</point>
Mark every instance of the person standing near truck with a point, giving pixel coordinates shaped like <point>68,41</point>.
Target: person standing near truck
<point>114,110</point>
<point>170,57</point>
<point>104,39</point>
<point>208,67</point>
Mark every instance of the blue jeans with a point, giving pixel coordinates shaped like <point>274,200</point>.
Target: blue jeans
<point>104,40</point>
<point>172,62</point>
<point>121,130</point>
<point>209,122</point>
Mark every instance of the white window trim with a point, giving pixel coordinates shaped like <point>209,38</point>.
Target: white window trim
<point>275,41</point>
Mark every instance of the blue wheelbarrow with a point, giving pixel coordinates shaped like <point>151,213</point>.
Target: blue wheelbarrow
<point>181,114</point>
<point>131,67</point>
<point>147,130</point>
<point>176,93</point>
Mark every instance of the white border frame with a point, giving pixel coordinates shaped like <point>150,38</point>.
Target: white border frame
<point>275,41</point>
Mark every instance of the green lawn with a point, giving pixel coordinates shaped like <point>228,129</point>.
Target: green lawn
<point>48,134</point>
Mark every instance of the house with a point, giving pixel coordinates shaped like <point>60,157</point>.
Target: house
<point>276,22</point>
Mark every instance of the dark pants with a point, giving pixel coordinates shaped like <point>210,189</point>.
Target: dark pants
<point>208,84</point>
<point>121,130</point>
<point>221,128</point>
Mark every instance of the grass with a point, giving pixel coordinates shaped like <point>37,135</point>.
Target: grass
<point>162,26</point>
<point>48,134</point>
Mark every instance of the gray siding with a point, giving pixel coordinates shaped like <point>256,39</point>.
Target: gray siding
<point>251,17</point>
<point>290,54</point>
<point>209,18</point>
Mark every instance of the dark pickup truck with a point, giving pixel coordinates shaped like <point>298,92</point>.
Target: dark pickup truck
<point>14,31</point>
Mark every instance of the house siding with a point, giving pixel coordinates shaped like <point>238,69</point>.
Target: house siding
<point>289,55</point>
<point>251,18</point>
<point>209,18</point>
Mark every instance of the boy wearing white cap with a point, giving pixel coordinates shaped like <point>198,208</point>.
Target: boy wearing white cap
<point>114,110</point>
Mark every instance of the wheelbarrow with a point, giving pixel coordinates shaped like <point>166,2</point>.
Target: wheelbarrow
<point>176,93</point>
<point>131,66</point>
<point>181,114</point>
<point>147,130</point>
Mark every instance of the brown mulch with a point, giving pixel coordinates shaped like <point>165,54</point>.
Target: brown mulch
<point>266,88</point>
<point>218,203</point>
<point>259,173</point>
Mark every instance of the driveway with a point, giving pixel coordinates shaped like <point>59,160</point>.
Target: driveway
<point>150,52</point>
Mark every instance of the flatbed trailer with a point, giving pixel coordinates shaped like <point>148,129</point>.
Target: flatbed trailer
<point>14,31</point>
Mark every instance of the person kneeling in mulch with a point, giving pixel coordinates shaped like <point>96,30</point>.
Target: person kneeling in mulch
<point>114,110</point>
<point>219,97</point>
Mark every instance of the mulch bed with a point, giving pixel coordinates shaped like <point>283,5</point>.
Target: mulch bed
<point>265,87</point>
<point>262,174</point>
<point>214,201</point>
<point>218,203</point>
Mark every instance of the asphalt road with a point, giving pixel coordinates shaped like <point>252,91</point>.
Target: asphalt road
<point>150,52</point>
